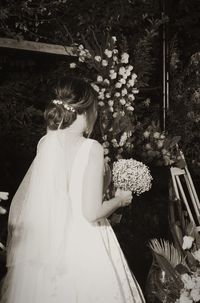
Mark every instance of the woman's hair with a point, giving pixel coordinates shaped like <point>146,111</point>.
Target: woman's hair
<point>72,96</point>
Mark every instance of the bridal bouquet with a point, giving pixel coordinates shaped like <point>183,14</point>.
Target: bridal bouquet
<point>130,174</point>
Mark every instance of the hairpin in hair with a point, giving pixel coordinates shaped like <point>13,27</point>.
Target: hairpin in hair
<point>66,106</point>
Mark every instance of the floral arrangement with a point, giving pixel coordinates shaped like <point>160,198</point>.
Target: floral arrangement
<point>181,268</point>
<point>113,78</point>
<point>129,174</point>
<point>159,147</point>
<point>3,196</point>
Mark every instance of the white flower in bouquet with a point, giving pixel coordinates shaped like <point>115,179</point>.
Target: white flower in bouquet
<point>124,91</point>
<point>156,135</point>
<point>131,82</point>
<point>118,85</point>
<point>110,102</point>
<point>187,242</point>
<point>104,62</point>
<point>122,80</point>
<point>101,103</point>
<point>95,87</point>
<point>4,195</point>
<point>99,78</point>
<point>106,81</point>
<point>122,101</point>
<point>108,53</point>
<point>195,294</point>
<point>130,174</point>
<point>196,254</point>
<point>122,70</point>
<point>188,282</point>
<point>131,97</point>
<point>113,76</point>
<point>117,94</point>
<point>97,58</point>
<point>124,58</point>
<point>72,65</point>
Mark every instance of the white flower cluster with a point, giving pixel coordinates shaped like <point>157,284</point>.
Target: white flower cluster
<point>3,196</point>
<point>115,79</point>
<point>130,174</point>
<point>191,291</point>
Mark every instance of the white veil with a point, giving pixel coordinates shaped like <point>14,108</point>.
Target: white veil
<point>40,212</point>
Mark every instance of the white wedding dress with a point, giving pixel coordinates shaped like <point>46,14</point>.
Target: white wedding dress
<point>54,254</point>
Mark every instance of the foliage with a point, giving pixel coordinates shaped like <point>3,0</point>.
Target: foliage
<point>183,268</point>
<point>185,106</point>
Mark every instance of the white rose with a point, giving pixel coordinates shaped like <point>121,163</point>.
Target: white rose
<point>160,143</point>
<point>122,80</point>
<point>114,39</point>
<point>131,108</point>
<point>113,76</point>
<point>115,59</point>
<point>148,146</point>
<point>99,78</point>
<point>2,210</point>
<point>108,53</point>
<point>117,95</point>
<point>95,87</point>
<point>131,97</point>
<point>124,58</point>
<point>146,134</point>
<point>156,135</point>
<point>118,85</point>
<point>4,195</point>
<point>101,103</point>
<point>130,68</point>
<point>106,81</point>
<point>122,101</point>
<point>196,254</point>
<point>188,282</point>
<point>106,151</point>
<point>115,51</point>
<point>187,242</point>
<point>81,59</point>
<point>195,294</point>
<point>104,62</point>
<point>110,102</point>
<point>108,95</point>
<point>112,71</point>
<point>185,297</point>
<point>114,115</point>
<point>81,47</point>
<point>72,65</point>
<point>131,82</point>
<point>124,92</point>
<point>97,58</point>
<point>134,76</point>
<point>122,70</point>
<point>135,91</point>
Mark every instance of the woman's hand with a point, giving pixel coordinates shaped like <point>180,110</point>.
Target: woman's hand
<point>125,197</point>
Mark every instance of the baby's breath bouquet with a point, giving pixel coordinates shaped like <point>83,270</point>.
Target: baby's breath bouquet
<point>130,174</point>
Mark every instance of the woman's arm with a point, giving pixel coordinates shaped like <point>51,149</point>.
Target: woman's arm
<point>93,208</point>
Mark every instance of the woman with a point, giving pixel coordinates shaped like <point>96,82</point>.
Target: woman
<point>61,247</point>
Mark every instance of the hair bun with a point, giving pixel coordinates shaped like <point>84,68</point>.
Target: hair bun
<point>59,115</point>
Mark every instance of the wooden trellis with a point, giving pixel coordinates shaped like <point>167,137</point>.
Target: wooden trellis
<point>7,43</point>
